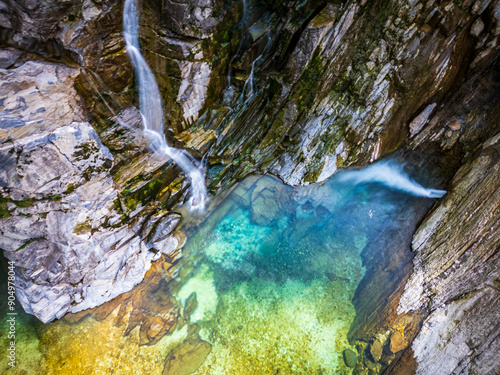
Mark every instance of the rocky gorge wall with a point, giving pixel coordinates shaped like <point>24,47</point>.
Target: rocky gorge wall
<point>313,87</point>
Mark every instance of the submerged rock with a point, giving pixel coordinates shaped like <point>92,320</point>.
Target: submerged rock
<point>37,97</point>
<point>397,342</point>
<point>190,305</point>
<point>350,358</point>
<point>375,350</point>
<point>269,203</point>
<point>187,357</point>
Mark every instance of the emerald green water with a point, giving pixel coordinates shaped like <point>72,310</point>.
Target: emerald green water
<point>264,286</point>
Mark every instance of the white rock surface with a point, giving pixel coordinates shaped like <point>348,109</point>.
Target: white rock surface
<point>70,246</point>
<point>65,256</point>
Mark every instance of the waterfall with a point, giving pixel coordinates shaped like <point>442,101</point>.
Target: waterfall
<point>152,112</point>
<point>250,80</point>
<point>251,77</point>
<point>391,175</point>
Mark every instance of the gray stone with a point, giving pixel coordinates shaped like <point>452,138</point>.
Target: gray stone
<point>456,263</point>
<point>61,264</point>
<point>8,56</point>
<point>448,267</point>
<point>369,364</point>
<point>186,358</point>
<point>460,337</point>
<point>477,27</point>
<point>165,227</point>
<point>418,122</point>
<point>190,305</point>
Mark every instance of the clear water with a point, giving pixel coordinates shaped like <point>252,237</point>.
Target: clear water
<point>273,269</point>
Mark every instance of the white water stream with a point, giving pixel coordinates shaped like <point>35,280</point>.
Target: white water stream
<point>152,111</point>
<point>391,175</point>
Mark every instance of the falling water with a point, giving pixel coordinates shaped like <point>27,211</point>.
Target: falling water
<point>391,175</point>
<point>152,112</point>
<point>250,78</point>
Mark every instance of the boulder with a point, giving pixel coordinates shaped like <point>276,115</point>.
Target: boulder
<point>375,349</point>
<point>350,358</point>
<point>397,342</point>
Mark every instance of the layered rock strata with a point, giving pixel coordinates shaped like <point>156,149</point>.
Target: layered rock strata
<point>294,89</point>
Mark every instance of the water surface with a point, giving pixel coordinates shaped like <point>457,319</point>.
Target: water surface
<point>264,286</point>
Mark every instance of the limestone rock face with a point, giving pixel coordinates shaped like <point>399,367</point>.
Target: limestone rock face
<point>461,337</point>
<point>63,264</point>
<point>37,97</point>
<point>448,267</point>
<point>344,86</point>
<point>297,89</point>
<point>62,219</point>
<point>187,358</point>
<point>457,262</point>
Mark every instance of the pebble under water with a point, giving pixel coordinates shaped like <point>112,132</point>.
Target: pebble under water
<point>264,287</point>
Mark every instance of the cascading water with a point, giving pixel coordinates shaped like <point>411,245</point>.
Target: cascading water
<point>391,175</point>
<point>250,78</point>
<point>152,112</point>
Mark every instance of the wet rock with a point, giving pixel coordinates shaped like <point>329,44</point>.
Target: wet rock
<point>477,27</point>
<point>387,357</point>
<point>67,258</point>
<point>61,264</point>
<point>418,122</point>
<point>160,225</point>
<point>193,89</point>
<point>267,203</point>
<point>190,305</point>
<point>455,125</point>
<point>469,210</point>
<point>310,39</point>
<point>191,18</point>
<point>496,22</point>
<point>375,350</point>
<point>155,326</point>
<point>397,342</point>
<point>370,365</point>
<point>453,277</point>
<point>460,337</point>
<point>350,358</point>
